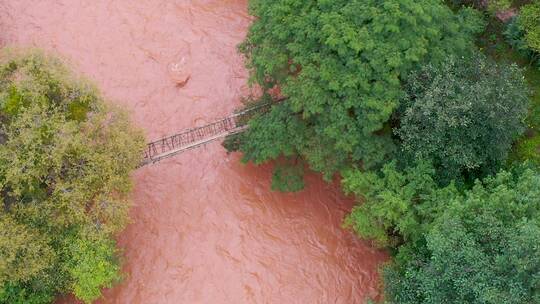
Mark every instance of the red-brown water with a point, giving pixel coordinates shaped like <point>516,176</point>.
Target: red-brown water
<point>205,228</point>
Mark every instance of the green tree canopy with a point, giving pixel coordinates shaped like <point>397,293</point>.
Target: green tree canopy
<point>464,115</point>
<point>483,249</point>
<point>397,205</point>
<point>65,160</point>
<point>25,252</point>
<point>340,64</point>
<point>492,6</point>
<point>529,21</point>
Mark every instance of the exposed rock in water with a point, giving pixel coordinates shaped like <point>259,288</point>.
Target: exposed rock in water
<point>180,71</point>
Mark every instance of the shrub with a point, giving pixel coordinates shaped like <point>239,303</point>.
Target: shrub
<point>529,21</point>
<point>528,149</point>
<point>515,36</point>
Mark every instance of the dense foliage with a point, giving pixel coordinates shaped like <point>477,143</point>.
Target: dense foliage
<point>388,214</point>
<point>521,36</point>
<point>529,20</point>
<point>464,115</point>
<point>480,246</point>
<point>491,5</point>
<point>395,96</point>
<point>484,247</point>
<point>340,64</point>
<point>65,159</point>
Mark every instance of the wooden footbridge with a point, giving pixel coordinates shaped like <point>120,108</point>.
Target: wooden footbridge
<point>196,137</point>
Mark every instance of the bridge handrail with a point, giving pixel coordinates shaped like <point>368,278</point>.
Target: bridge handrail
<point>187,139</point>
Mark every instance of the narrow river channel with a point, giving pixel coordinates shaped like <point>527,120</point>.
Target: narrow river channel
<point>205,228</point>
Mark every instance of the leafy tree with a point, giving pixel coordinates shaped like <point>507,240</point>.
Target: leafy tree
<point>65,160</point>
<point>397,205</point>
<point>93,265</point>
<point>529,21</point>
<point>25,293</point>
<point>515,36</point>
<point>483,249</point>
<point>25,252</point>
<point>464,115</point>
<point>340,64</point>
<point>521,33</point>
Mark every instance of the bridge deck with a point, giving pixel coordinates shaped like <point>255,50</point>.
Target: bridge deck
<point>192,138</point>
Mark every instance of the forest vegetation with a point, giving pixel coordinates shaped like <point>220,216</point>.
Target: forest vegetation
<point>65,160</point>
<point>429,111</point>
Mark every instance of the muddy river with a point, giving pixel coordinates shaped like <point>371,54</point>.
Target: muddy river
<point>205,228</point>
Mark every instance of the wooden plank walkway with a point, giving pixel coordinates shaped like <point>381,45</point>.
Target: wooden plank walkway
<point>196,137</point>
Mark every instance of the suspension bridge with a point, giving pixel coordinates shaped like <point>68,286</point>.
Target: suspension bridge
<point>192,138</point>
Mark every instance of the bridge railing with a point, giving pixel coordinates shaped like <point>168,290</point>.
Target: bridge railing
<point>191,138</point>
